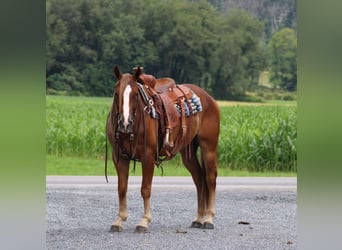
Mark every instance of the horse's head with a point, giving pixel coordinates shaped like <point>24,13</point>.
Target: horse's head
<point>126,99</point>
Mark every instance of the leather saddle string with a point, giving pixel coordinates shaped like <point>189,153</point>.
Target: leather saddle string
<point>188,128</point>
<point>180,141</point>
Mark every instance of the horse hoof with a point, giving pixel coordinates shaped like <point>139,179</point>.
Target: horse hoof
<point>115,228</point>
<point>208,225</point>
<point>196,224</point>
<point>140,229</point>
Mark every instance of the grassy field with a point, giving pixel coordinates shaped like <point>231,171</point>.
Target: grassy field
<point>56,165</point>
<point>266,103</point>
<point>255,138</point>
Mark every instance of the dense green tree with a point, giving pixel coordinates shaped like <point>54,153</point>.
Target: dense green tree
<point>275,14</point>
<point>62,48</point>
<point>187,41</point>
<point>283,59</point>
<point>239,57</point>
<point>191,41</point>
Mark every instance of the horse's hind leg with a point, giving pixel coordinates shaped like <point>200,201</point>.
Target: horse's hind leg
<point>192,164</point>
<point>209,159</point>
<point>122,168</point>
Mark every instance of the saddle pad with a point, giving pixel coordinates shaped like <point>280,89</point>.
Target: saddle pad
<point>191,107</point>
<point>192,104</point>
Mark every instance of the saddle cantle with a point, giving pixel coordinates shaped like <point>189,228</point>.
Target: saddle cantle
<point>174,103</point>
<point>164,84</point>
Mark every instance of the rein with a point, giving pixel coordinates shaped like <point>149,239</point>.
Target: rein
<point>106,160</point>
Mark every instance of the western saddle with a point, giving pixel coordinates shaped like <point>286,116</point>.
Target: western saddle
<point>167,95</point>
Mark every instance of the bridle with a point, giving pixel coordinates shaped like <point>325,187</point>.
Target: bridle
<point>144,105</point>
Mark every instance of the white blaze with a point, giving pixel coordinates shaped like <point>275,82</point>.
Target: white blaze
<point>126,93</point>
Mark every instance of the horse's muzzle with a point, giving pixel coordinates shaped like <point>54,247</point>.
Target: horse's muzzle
<point>125,127</point>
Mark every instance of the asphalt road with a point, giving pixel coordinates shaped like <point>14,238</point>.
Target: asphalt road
<point>251,213</point>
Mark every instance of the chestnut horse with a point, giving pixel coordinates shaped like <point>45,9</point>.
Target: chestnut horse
<point>134,134</point>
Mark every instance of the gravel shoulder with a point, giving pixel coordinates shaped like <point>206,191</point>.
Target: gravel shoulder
<point>251,213</point>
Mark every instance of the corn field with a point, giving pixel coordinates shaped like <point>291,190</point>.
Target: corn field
<point>75,126</point>
<point>256,138</point>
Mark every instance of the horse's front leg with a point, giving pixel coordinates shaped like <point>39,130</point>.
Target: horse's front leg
<point>146,185</point>
<point>122,168</point>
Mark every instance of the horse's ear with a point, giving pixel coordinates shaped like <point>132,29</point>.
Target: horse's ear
<point>117,72</point>
<point>137,72</point>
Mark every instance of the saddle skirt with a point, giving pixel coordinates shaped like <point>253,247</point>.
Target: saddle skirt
<point>174,103</point>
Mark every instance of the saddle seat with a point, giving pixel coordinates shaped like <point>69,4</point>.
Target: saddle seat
<point>164,84</point>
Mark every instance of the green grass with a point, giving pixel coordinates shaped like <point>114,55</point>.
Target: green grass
<point>282,103</point>
<point>56,165</point>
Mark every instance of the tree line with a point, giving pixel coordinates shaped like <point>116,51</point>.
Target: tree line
<point>190,41</point>
<point>275,14</point>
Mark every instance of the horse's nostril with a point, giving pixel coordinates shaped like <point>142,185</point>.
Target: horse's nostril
<point>125,126</point>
